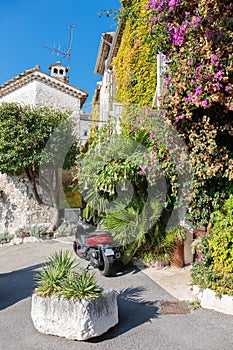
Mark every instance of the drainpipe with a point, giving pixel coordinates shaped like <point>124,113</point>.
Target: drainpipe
<point>157,94</point>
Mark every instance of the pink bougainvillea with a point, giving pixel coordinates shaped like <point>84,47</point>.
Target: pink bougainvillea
<point>196,39</point>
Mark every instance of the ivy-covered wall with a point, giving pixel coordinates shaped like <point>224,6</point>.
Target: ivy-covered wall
<point>135,64</point>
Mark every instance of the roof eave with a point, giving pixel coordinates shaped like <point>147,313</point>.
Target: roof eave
<point>103,51</point>
<point>36,73</point>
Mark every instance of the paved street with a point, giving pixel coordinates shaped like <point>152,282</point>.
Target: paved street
<point>141,326</point>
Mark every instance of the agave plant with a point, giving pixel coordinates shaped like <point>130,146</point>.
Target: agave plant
<point>62,277</point>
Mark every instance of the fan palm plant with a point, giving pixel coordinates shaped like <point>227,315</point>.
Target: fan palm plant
<point>132,226</point>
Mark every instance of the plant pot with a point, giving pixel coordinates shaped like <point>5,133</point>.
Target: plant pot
<point>78,320</point>
<point>199,232</point>
<point>177,259</point>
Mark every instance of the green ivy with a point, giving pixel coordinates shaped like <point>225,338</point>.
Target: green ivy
<point>134,67</point>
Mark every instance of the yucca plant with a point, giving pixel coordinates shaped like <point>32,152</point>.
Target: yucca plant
<point>62,277</point>
<point>49,279</point>
<point>80,285</point>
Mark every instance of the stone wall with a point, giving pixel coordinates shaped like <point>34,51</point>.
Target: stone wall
<point>18,208</point>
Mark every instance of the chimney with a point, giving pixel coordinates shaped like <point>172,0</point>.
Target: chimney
<point>58,71</point>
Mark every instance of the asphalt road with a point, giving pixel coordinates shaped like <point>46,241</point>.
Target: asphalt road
<point>141,325</point>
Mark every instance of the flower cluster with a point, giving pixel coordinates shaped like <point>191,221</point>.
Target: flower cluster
<point>167,158</point>
<point>177,33</point>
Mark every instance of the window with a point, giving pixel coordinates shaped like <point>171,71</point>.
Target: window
<point>55,70</point>
<point>85,133</point>
<point>61,71</point>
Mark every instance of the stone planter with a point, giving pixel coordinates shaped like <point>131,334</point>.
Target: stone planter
<point>78,320</point>
<point>209,300</point>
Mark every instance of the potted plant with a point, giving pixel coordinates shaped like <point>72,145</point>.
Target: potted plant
<point>178,236</point>
<point>68,302</point>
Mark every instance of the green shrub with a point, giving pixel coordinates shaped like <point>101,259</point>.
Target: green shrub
<point>222,238</point>
<point>35,231</point>
<point>221,244</point>
<point>161,248</point>
<point>152,258</point>
<point>5,237</point>
<point>214,268</point>
<point>38,230</point>
<point>61,277</point>
<point>65,229</point>
<point>22,232</point>
<point>202,271</point>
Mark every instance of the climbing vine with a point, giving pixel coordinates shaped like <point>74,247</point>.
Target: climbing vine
<point>135,69</point>
<point>196,39</point>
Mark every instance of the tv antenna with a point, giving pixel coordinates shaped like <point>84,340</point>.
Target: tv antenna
<point>65,53</point>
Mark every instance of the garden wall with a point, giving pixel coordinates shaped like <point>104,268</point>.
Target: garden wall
<point>18,208</point>
<point>209,300</point>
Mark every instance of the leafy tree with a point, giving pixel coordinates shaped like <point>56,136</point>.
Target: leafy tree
<point>24,134</point>
<point>134,194</point>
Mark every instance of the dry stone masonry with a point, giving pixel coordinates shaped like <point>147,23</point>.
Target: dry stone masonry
<point>18,208</point>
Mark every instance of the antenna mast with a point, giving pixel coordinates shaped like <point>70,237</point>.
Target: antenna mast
<point>65,53</point>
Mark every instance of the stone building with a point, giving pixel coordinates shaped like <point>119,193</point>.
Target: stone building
<point>35,88</point>
<point>84,132</point>
<point>104,101</point>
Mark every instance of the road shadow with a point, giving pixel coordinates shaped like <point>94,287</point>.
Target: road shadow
<point>17,285</point>
<point>134,311</point>
<point>120,270</point>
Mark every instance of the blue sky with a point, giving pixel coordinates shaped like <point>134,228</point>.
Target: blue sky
<point>28,25</point>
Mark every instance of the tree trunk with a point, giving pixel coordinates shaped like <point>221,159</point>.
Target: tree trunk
<point>55,183</point>
<point>54,219</point>
<point>32,178</point>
